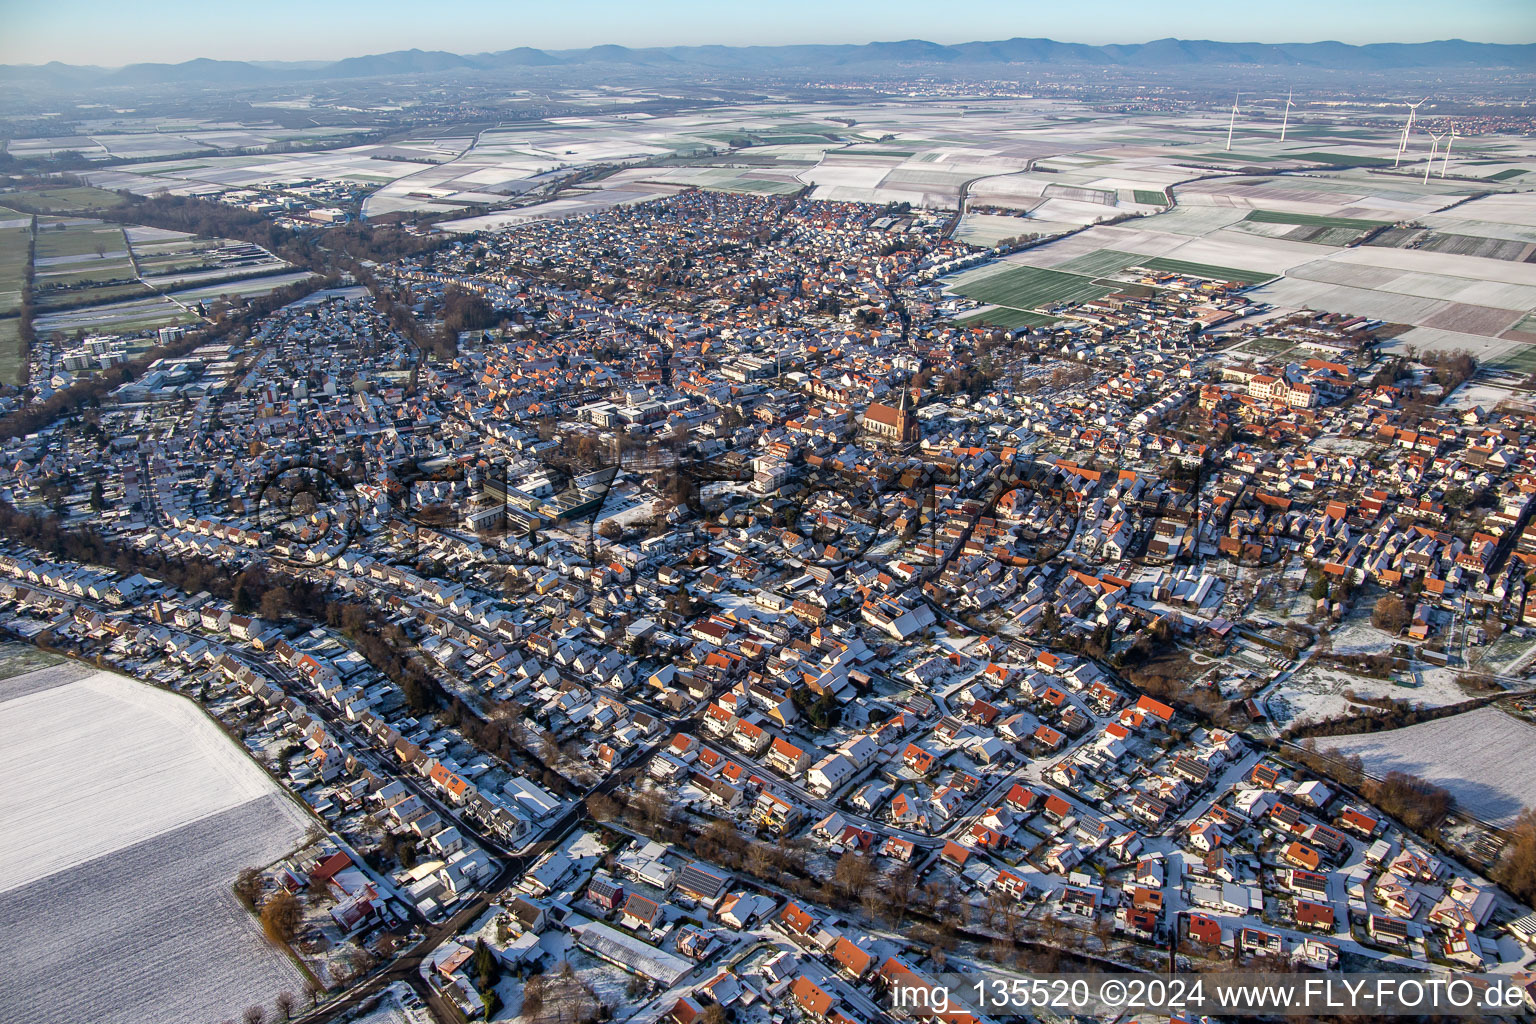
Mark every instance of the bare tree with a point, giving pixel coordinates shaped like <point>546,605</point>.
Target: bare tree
<point>533,995</point>
<point>281,917</point>
<point>248,886</point>
<point>254,1015</point>
<point>286,1001</point>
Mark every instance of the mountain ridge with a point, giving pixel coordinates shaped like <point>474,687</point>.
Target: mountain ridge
<point>1157,53</point>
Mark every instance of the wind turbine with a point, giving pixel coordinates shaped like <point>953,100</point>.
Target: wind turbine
<point>1447,161</point>
<point>1402,144</point>
<point>1232,121</point>
<point>1434,147</point>
<point>1287,119</point>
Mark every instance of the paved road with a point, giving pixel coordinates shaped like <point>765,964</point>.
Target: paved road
<point>407,967</point>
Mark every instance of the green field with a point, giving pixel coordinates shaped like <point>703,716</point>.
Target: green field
<point>1101,262</point>
<point>12,368</point>
<point>796,140</point>
<point>1268,346</point>
<point>1516,360</point>
<point>13,267</point>
<point>756,185</point>
<point>1004,317</point>
<point>1207,270</point>
<point>1251,158</point>
<point>1340,160</point>
<point>1151,197</point>
<point>84,272</point>
<point>1276,217</point>
<point>1030,288</point>
<point>46,302</point>
<point>18,658</point>
<point>77,240</point>
<point>69,199</point>
<point>1506,174</point>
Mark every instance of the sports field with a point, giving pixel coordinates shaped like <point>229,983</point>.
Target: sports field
<point>1277,217</point>
<point>1031,288</point>
<point>1206,270</point>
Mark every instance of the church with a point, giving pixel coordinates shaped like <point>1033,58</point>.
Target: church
<point>897,425</point>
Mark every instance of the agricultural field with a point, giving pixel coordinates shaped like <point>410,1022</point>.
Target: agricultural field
<point>62,240</point>
<point>115,317</point>
<point>17,658</point>
<point>1473,245</point>
<point>990,229</point>
<point>15,237</point>
<point>1207,270</point>
<point>1101,263</point>
<point>123,788</point>
<point>13,368</point>
<point>1485,758</point>
<point>1519,359</point>
<point>114,280</point>
<point>79,262</point>
<point>1279,217</point>
<point>1002,316</point>
<point>1027,288</point>
<point>66,199</point>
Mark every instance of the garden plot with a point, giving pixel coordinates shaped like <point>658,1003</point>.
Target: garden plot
<point>132,813</point>
<point>1485,758</point>
<point>1316,693</point>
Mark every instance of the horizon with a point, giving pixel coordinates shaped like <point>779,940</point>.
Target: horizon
<point>759,46</point>
<point>291,32</point>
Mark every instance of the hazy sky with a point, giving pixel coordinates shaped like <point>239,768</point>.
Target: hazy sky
<point>114,32</point>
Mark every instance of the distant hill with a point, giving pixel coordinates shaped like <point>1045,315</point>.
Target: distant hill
<point>1160,53</point>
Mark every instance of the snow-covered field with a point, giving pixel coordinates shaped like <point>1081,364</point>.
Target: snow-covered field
<point>103,763</point>
<point>1485,758</point>
<point>130,814</point>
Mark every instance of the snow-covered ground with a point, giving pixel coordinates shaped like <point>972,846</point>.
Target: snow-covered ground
<point>106,762</point>
<point>130,814</point>
<point>1317,693</point>
<point>1485,758</point>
